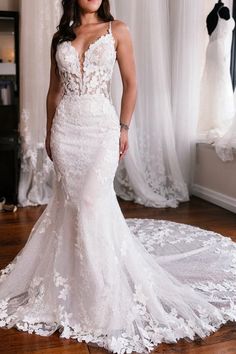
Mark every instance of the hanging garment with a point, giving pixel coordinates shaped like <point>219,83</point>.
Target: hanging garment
<point>216,97</point>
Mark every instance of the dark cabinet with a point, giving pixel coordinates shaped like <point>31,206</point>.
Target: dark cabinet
<point>9,105</point>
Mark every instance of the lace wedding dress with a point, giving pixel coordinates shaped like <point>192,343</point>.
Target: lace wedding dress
<point>86,271</point>
<point>217,107</point>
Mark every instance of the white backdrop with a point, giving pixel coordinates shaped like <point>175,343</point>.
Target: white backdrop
<point>150,173</point>
<point>38,23</point>
<point>169,38</point>
<point>188,35</point>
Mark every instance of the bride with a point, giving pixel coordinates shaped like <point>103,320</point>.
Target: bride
<point>86,271</point>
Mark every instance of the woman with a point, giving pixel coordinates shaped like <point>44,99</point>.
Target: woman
<point>122,284</point>
<point>90,26</point>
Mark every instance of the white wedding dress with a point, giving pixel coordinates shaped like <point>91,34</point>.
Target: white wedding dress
<point>122,284</point>
<point>217,108</point>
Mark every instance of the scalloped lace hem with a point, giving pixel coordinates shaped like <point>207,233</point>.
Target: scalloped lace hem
<point>148,340</point>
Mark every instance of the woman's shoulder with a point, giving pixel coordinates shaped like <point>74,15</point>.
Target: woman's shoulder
<point>119,23</point>
<point>120,26</point>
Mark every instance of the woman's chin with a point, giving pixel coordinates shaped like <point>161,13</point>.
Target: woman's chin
<point>95,4</point>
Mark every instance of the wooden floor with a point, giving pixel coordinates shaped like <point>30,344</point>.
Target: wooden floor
<point>14,231</point>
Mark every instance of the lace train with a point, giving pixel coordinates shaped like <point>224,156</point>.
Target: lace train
<point>154,281</point>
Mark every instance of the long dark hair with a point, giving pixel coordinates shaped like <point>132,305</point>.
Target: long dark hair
<point>71,12</point>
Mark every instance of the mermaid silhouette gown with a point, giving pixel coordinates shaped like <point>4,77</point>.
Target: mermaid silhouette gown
<point>86,271</point>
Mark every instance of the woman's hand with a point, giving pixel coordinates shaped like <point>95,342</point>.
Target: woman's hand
<point>123,143</point>
<point>47,146</point>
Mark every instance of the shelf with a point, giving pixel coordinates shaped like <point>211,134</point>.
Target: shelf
<point>7,69</point>
<point>7,105</point>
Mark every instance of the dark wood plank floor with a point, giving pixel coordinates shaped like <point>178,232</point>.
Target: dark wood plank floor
<point>15,229</point>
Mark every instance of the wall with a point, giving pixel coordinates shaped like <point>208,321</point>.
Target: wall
<point>9,5</point>
<point>214,179</point>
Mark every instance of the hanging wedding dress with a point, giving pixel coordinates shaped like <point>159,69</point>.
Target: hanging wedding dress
<point>226,145</point>
<point>122,284</point>
<point>217,98</point>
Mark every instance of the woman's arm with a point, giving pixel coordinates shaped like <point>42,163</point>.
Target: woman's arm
<point>53,99</point>
<point>126,62</point>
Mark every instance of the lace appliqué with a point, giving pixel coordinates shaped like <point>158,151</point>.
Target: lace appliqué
<point>142,331</point>
<point>94,77</point>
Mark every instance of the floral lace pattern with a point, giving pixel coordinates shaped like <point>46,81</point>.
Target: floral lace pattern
<point>94,75</point>
<point>166,190</point>
<point>122,284</point>
<point>197,304</point>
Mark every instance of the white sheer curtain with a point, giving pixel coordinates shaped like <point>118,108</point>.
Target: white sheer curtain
<point>38,22</point>
<point>150,173</point>
<point>167,37</point>
<point>188,37</point>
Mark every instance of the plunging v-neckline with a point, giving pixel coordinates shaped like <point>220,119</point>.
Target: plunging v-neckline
<point>84,55</point>
<point>91,44</point>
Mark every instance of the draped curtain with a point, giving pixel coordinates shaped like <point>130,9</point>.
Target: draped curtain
<point>188,37</point>
<point>169,38</point>
<point>38,23</point>
<point>150,173</point>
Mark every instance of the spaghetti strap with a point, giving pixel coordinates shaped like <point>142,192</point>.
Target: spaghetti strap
<point>110,27</point>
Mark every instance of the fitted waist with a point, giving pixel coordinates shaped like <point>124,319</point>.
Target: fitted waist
<point>94,104</point>
<point>76,109</point>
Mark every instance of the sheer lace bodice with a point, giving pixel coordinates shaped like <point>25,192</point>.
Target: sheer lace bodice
<point>93,75</point>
